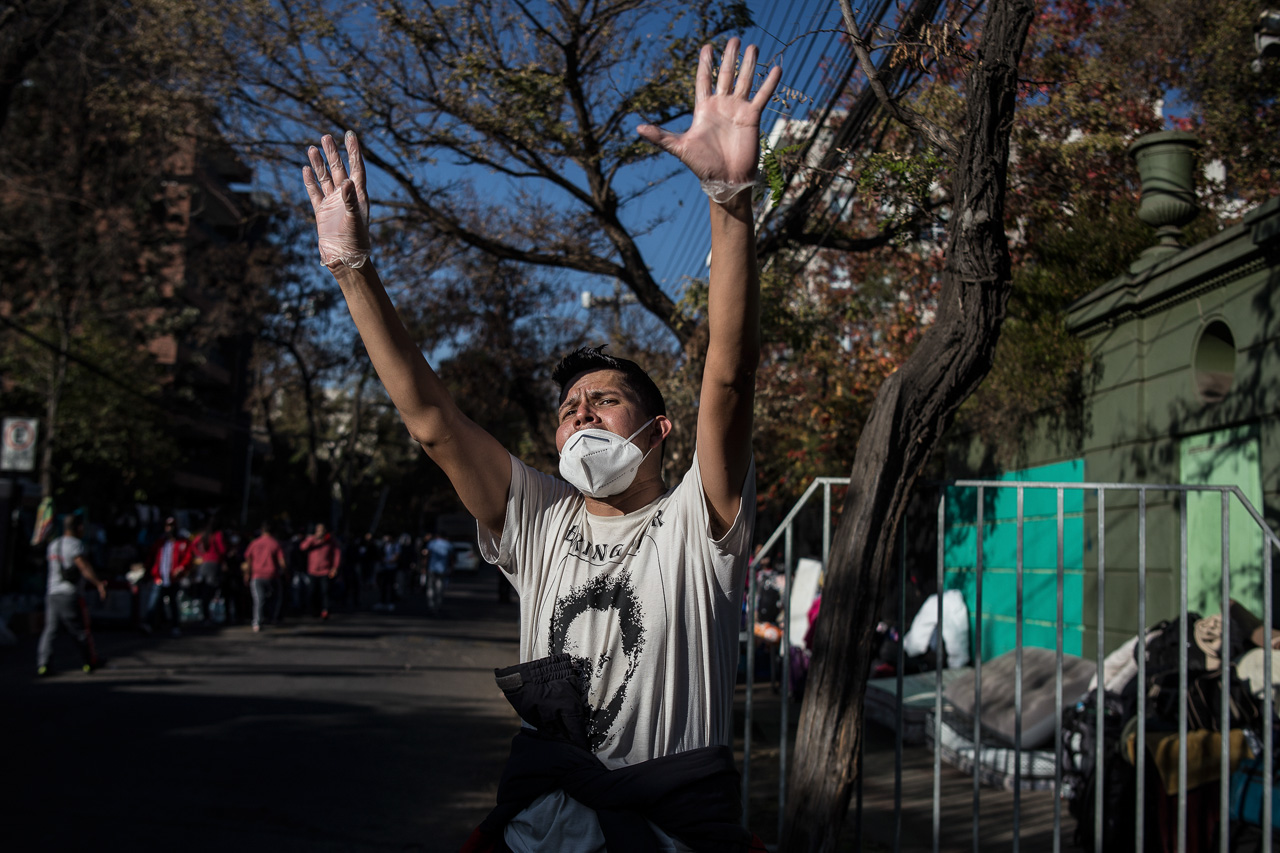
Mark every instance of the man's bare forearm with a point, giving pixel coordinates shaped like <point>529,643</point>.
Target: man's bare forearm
<point>475,463</point>
<point>733,353</point>
<point>87,572</point>
<point>414,388</point>
<point>722,148</point>
<point>733,299</point>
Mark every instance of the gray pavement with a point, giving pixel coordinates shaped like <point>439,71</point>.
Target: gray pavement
<point>371,731</point>
<point>368,732</point>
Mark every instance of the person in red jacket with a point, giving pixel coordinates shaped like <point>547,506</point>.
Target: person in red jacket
<point>169,559</point>
<point>323,558</point>
<point>264,568</point>
<point>209,550</point>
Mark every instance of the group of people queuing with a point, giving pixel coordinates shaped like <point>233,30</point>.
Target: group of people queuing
<point>219,577</point>
<point>398,567</point>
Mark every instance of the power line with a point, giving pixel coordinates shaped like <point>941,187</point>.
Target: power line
<point>852,131</point>
<point>687,256</point>
<point>877,121</point>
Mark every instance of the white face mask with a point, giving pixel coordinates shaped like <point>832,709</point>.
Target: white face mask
<point>600,463</point>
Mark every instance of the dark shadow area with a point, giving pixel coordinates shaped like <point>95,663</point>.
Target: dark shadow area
<point>334,736</point>
<point>107,768</point>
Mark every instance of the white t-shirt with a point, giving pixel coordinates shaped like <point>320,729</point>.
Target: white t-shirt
<point>62,551</point>
<point>647,602</point>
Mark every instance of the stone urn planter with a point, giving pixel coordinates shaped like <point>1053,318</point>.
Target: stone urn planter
<point>1166,166</point>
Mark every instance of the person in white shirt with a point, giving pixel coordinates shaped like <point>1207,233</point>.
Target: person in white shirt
<point>64,607</point>
<point>639,584</point>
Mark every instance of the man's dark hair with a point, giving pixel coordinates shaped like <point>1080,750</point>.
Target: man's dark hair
<point>590,359</point>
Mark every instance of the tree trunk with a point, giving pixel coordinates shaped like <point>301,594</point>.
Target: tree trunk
<point>57,380</point>
<point>912,411</point>
<point>53,399</point>
<point>345,471</point>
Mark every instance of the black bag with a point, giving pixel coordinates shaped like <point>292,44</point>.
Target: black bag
<point>70,572</point>
<point>769,605</point>
<point>1162,648</point>
<point>1204,703</point>
<point>1080,733</point>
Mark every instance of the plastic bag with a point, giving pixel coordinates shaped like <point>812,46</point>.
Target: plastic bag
<point>955,628</point>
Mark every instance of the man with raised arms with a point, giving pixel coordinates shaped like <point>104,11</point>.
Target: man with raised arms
<point>630,590</point>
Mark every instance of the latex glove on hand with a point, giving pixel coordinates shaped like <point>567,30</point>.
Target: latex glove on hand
<point>722,145</point>
<point>340,201</point>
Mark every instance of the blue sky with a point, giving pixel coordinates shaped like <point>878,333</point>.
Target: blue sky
<point>801,36</point>
<point>798,35</point>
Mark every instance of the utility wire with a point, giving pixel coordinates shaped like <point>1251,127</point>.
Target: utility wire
<point>690,251</point>
<point>851,133</point>
<point>864,139</point>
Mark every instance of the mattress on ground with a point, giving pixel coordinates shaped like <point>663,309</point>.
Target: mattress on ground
<point>999,712</point>
<point>919,697</point>
<point>998,766</point>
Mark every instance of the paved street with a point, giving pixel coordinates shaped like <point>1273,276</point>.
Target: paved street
<point>368,732</point>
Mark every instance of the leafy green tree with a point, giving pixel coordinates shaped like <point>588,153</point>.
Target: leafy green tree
<point>1199,58</point>
<point>82,236</point>
<point>1096,77</point>
<point>113,444</point>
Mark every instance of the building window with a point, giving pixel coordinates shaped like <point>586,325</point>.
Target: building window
<point>1214,362</point>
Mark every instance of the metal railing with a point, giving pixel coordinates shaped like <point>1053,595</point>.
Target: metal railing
<point>1100,491</point>
<point>786,532</point>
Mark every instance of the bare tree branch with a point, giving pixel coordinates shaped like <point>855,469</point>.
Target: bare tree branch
<point>937,136</point>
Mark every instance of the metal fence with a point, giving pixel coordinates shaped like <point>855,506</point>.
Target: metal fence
<point>785,532</point>
<point>1100,493</point>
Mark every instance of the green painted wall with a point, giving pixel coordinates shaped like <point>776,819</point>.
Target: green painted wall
<point>1146,415</point>
<point>1225,458</point>
<point>997,629</point>
<point>1147,420</point>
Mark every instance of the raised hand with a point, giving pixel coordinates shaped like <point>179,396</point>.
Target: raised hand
<point>340,202</point>
<point>722,146</point>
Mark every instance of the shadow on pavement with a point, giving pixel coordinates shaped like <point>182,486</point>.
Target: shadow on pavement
<point>104,768</point>
<point>367,732</point>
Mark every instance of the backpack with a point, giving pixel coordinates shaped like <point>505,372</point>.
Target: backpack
<point>69,571</point>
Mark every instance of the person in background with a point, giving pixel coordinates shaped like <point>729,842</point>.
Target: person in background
<point>323,558</point>
<point>64,607</point>
<point>349,575</point>
<point>296,566</point>
<point>264,567</point>
<point>404,567</point>
<point>437,554</point>
<point>169,560</point>
<point>368,555</point>
<point>235,591</point>
<point>386,576</point>
<point>209,551</point>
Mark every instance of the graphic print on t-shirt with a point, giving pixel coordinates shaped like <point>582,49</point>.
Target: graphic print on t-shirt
<point>601,624</point>
<point>585,612</point>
